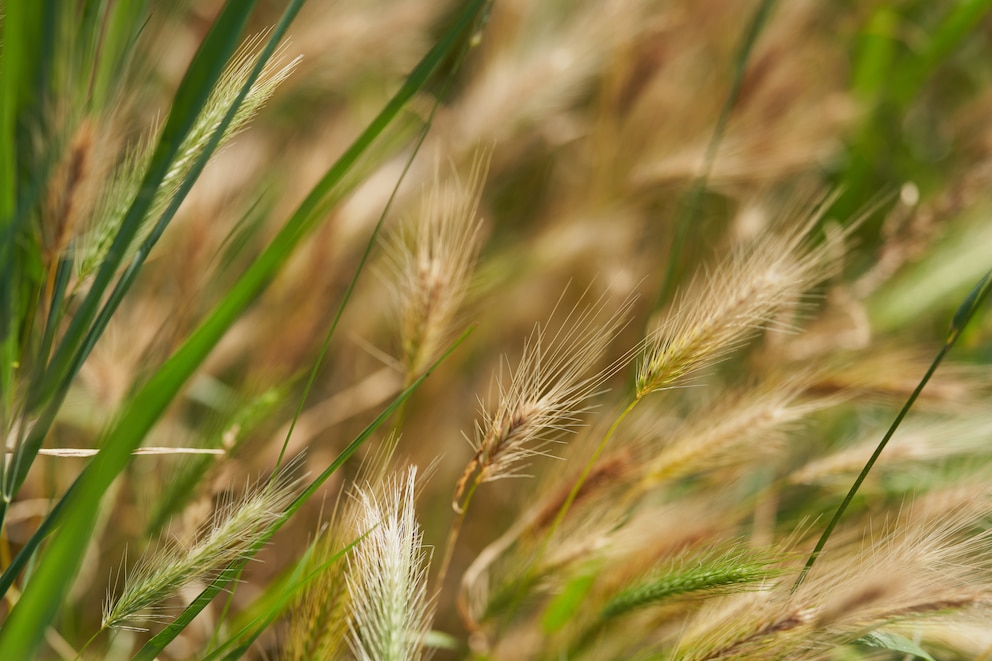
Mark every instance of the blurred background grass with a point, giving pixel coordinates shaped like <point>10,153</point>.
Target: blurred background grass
<point>604,123</point>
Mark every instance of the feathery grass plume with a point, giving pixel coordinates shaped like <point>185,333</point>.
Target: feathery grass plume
<point>666,593</point>
<point>96,239</point>
<point>721,311</point>
<point>235,528</point>
<point>387,575</point>
<point>923,442</point>
<point>926,563</point>
<point>431,259</point>
<point>545,398</point>
<point>547,393</point>
<point>732,424</point>
<point>319,622</point>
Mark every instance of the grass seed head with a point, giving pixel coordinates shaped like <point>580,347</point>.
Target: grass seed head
<point>723,309</point>
<point>391,612</point>
<point>235,529</point>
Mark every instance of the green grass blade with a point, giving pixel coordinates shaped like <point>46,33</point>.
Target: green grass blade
<point>14,63</point>
<point>20,39</point>
<point>964,314</point>
<point>281,595</point>
<point>48,524</point>
<point>689,209</point>
<point>80,336</point>
<point>155,646</point>
<point>194,90</point>
<point>896,643</point>
<point>959,23</point>
<point>121,24</point>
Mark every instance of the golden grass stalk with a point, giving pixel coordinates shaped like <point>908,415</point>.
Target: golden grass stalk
<point>235,528</point>
<point>432,260</point>
<point>318,625</point>
<point>387,575</point>
<point>721,310</point>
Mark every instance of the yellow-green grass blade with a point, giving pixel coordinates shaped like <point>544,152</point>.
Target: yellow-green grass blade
<point>274,602</point>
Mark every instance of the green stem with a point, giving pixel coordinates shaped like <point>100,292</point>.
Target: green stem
<point>690,208</point>
<point>456,528</point>
<point>958,323</point>
<point>573,494</point>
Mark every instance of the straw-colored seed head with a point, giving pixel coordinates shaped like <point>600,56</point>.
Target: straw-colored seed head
<point>108,214</point>
<point>431,263</point>
<point>548,391</point>
<point>723,309</point>
<point>235,529</point>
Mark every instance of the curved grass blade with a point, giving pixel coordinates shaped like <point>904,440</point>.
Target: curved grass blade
<point>25,626</point>
<point>203,72</point>
<point>154,646</point>
<point>965,312</point>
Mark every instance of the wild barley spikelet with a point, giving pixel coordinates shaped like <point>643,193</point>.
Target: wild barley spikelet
<point>927,562</point>
<point>107,217</point>
<point>733,423</point>
<point>431,264</point>
<point>236,527</point>
<point>722,310</point>
<point>547,392</point>
<point>387,575</point>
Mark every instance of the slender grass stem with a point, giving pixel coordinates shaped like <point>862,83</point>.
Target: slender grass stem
<point>527,579</point>
<point>690,208</point>
<point>456,527</point>
<point>961,318</point>
<point>365,255</point>
<point>79,654</point>
<point>573,494</point>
